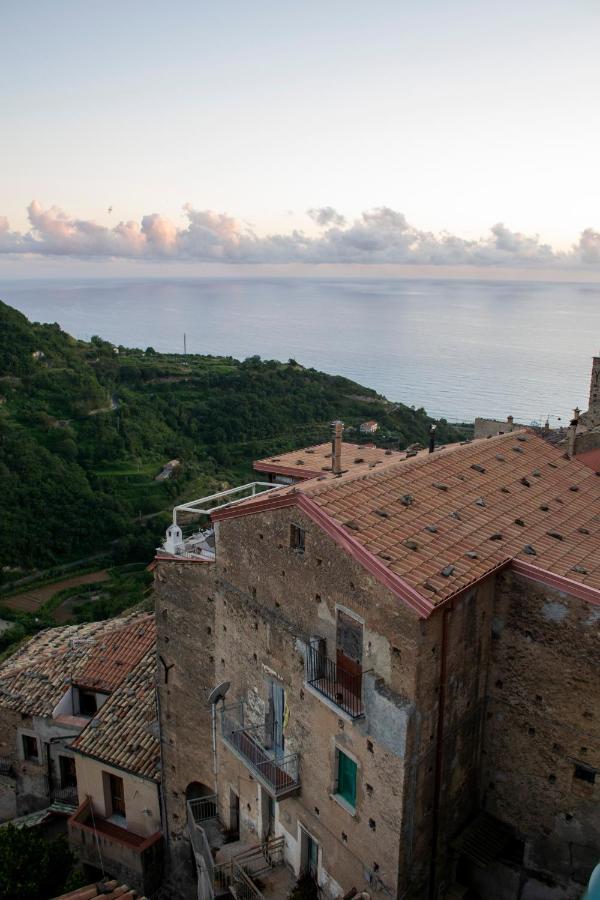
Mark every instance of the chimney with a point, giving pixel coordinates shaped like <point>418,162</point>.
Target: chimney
<point>576,414</point>
<point>509,422</point>
<point>337,429</point>
<point>432,438</point>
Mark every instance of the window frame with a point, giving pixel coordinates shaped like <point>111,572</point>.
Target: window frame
<point>25,736</point>
<point>119,809</point>
<point>348,801</point>
<point>297,538</point>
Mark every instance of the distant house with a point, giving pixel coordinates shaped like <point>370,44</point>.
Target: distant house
<point>50,691</point>
<point>117,761</point>
<point>369,427</point>
<point>169,470</point>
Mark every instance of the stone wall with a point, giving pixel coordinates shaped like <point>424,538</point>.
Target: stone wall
<point>542,722</point>
<point>262,602</point>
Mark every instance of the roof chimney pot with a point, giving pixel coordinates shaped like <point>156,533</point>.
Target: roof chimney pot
<point>337,430</point>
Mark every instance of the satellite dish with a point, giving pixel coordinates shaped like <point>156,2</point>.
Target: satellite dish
<point>218,693</point>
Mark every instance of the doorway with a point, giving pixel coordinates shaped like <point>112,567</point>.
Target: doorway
<point>309,852</point>
<point>277,716</point>
<point>234,815</point>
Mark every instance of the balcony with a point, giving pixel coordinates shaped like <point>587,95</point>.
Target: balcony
<point>253,745</point>
<point>66,794</point>
<point>186,539</point>
<point>339,685</point>
<point>90,833</point>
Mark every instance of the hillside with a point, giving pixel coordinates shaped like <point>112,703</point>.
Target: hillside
<point>86,427</point>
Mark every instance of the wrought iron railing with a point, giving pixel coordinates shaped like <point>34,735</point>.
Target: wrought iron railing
<point>255,862</point>
<point>277,771</point>
<point>66,794</point>
<point>201,809</point>
<point>6,766</point>
<point>338,684</point>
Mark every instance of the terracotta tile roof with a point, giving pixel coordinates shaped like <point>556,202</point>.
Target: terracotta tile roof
<point>313,461</point>
<point>108,890</point>
<point>590,458</point>
<point>117,653</point>
<point>37,675</point>
<point>444,520</point>
<point>124,732</point>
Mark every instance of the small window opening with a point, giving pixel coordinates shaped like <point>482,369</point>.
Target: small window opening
<point>585,774</point>
<point>297,538</point>
<point>87,703</point>
<point>30,748</point>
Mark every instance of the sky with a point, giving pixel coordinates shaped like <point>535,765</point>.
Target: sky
<point>168,136</point>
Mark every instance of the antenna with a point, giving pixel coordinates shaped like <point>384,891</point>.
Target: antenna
<point>218,693</point>
<point>184,344</point>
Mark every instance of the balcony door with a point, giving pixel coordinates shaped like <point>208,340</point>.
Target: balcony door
<point>277,717</point>
<point>349,653</point>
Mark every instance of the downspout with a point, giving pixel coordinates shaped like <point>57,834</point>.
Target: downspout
<point>161,783</point>
<point>439,754</point>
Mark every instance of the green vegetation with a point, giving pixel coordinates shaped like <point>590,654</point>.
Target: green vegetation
<point>34,868</point>
<point>128,586</point>
<point>84,430</point>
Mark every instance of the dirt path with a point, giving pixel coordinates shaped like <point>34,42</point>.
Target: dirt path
<point>30,601</point>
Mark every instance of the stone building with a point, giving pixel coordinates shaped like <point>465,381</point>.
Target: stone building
<point>117,826</point>
<point>50,690</point>
<point>390,673</point>
<point>583,438</point>
<point>484,428</point>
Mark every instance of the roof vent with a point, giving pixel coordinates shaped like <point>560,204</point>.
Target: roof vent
<point>581,569</point>
<point>440,486</point>
<point>406,499</point>
<point>448,571</point>
<point>412,545</point>
<point>529,550</point>
<point>478,468</point>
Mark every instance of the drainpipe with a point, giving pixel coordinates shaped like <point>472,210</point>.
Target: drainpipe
<point>439,754</point>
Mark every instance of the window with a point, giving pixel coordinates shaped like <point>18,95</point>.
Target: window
<point>117,795</point>
<point>297,535</point>
<point>87,703</point>
<point>346,778</point>
<point>30,748</point>
<point>68,778</point>
<point>584,773</point>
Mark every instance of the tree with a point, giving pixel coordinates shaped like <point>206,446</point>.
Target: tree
<point>31,867</point>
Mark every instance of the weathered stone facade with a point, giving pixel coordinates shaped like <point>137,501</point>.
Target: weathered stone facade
<point>485,707</point>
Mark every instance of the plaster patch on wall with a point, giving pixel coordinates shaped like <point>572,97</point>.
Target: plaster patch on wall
<point>594,616</point>
<point>377,654</point>
<point>553,611</point>
<point>497,625</point>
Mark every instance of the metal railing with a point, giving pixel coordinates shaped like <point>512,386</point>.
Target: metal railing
<point>201,809</point>
<point>65,794</point>
<point>342,687</point>
<point>254,746</point>
<point>239,872</point>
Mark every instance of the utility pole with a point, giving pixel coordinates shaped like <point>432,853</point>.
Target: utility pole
<point>184,344</point>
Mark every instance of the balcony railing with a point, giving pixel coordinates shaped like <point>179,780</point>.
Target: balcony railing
<point>66,794</point>
<point>253,745</point>
<point>342,687</point>
<point>201,809</point>
<point>185,538</point>
<point>6,766</point>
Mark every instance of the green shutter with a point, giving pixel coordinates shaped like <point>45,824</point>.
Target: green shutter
<point>346,778</point>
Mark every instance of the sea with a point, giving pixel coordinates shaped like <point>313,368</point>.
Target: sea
<point>459,349</point>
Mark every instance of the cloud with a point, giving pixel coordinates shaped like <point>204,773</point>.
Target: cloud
<point>326,215</point>
<point>378,236</point>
